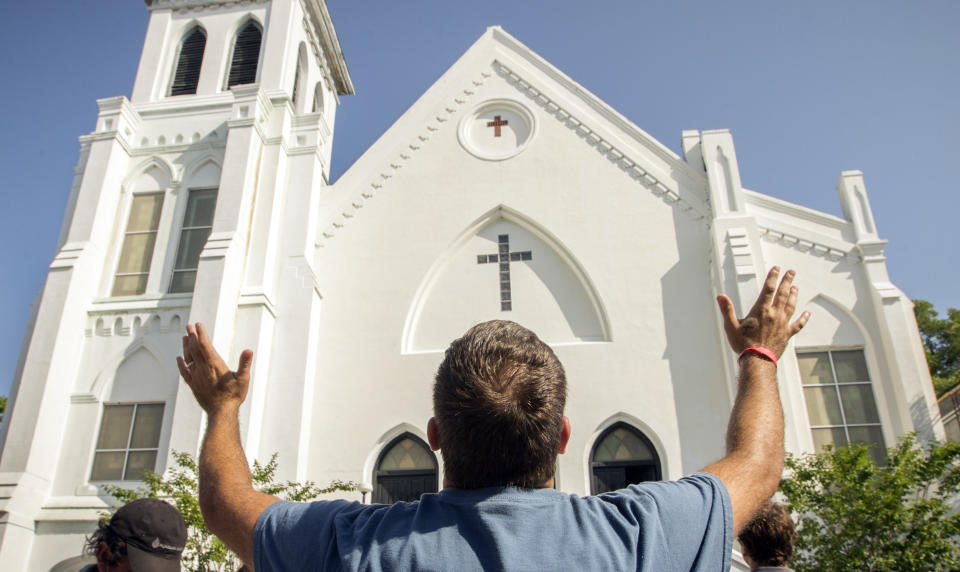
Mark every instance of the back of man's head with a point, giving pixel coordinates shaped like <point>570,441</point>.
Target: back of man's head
<point>768,539</point>
<point>498,404</point>
<point>144,535</point>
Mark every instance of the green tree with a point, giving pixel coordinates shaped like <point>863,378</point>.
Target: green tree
<point>856,515</point>
<point>941,343</point>
<point>204,551</point>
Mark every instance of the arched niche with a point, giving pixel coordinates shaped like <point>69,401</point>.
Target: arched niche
<point>153,174</point>
<point>300,84</point>
<point>831,326</point>
<point>202,172</point>
<point>505,266</point>
<point>138,374</point>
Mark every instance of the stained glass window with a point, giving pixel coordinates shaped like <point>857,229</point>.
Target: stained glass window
<point>406,470</point>
<point>622,456</point>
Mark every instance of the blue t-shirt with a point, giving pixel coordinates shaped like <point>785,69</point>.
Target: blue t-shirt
<point>655,526</point>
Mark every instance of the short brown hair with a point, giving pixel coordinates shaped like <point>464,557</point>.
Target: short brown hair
<point>769,538</point>
<point>498,403</point>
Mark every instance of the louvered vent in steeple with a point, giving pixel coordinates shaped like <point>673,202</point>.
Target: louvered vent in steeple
<point>246,55</point>
<point>188,64</point>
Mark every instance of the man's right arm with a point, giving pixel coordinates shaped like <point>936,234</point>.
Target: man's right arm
<point>752,467</point>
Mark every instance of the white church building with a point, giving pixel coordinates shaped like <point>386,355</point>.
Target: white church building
<point>506,191</point>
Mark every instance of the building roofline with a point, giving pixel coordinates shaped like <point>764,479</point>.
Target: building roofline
<point>331,45</point>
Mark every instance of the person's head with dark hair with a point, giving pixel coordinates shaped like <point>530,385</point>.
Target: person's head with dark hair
<point>498,405</point>
<point>145,535</point>
<point>114,549</point>
<point>768,539</point>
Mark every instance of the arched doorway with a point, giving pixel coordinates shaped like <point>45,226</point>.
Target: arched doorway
<point>405,470</point>
<point>622,456</point>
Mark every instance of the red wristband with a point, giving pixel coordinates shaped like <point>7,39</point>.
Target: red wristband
<point>760,351</point>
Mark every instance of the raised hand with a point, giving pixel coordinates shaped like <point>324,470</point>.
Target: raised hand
<point>213,384</point>
<point>768,322</point>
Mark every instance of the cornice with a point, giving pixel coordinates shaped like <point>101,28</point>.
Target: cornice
<point>173,106</point>
<point>183,6</point>
<point>203,145</point>
<point>816,248</point>
<point>794,210</point>
<point>319,29</point>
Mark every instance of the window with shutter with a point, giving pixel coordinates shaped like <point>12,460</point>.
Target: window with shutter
<point>187,76</point>
<point>246,55</point>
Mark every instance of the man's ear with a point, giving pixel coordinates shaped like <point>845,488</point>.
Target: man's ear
<point>103,556</point>
<point>432,436</point>
<point>564,435</point>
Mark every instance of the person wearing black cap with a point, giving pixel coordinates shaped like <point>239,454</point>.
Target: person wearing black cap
<point>146,535</point>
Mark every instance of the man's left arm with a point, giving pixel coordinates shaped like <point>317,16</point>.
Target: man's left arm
<point>229,503</point>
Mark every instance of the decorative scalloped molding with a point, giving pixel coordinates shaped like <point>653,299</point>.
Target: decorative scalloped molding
<point>606,148</point>
<point>595,140</point>
<point>809,246</point>
<point>405,153</point>
<point>124,322</point>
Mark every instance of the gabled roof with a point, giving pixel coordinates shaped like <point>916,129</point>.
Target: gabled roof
<point>497,52</point>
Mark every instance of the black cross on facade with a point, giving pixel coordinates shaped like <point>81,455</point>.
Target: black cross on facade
<point>504,257</point>
<point>497,123</point>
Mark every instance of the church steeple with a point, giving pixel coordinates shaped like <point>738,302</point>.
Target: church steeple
<point>203,48</point>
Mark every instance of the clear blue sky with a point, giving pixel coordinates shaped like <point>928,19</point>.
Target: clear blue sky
<point>807,88</point>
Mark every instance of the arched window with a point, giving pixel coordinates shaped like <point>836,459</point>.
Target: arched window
<point>246,55</point>
<point>622,456</point>
<point>317,98</point>
<point>406,469</point>
<point>187,76</point>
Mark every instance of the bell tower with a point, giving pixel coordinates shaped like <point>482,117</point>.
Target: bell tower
<point>195,200</point>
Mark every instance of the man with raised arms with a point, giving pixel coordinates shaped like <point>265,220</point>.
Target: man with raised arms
<point>498,422</point>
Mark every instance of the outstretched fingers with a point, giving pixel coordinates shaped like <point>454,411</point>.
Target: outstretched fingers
<point>785,289</point>
<point>767,292</point>
<point>799,323</point>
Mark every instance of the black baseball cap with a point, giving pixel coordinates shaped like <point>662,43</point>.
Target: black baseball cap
<point>155,534</point>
